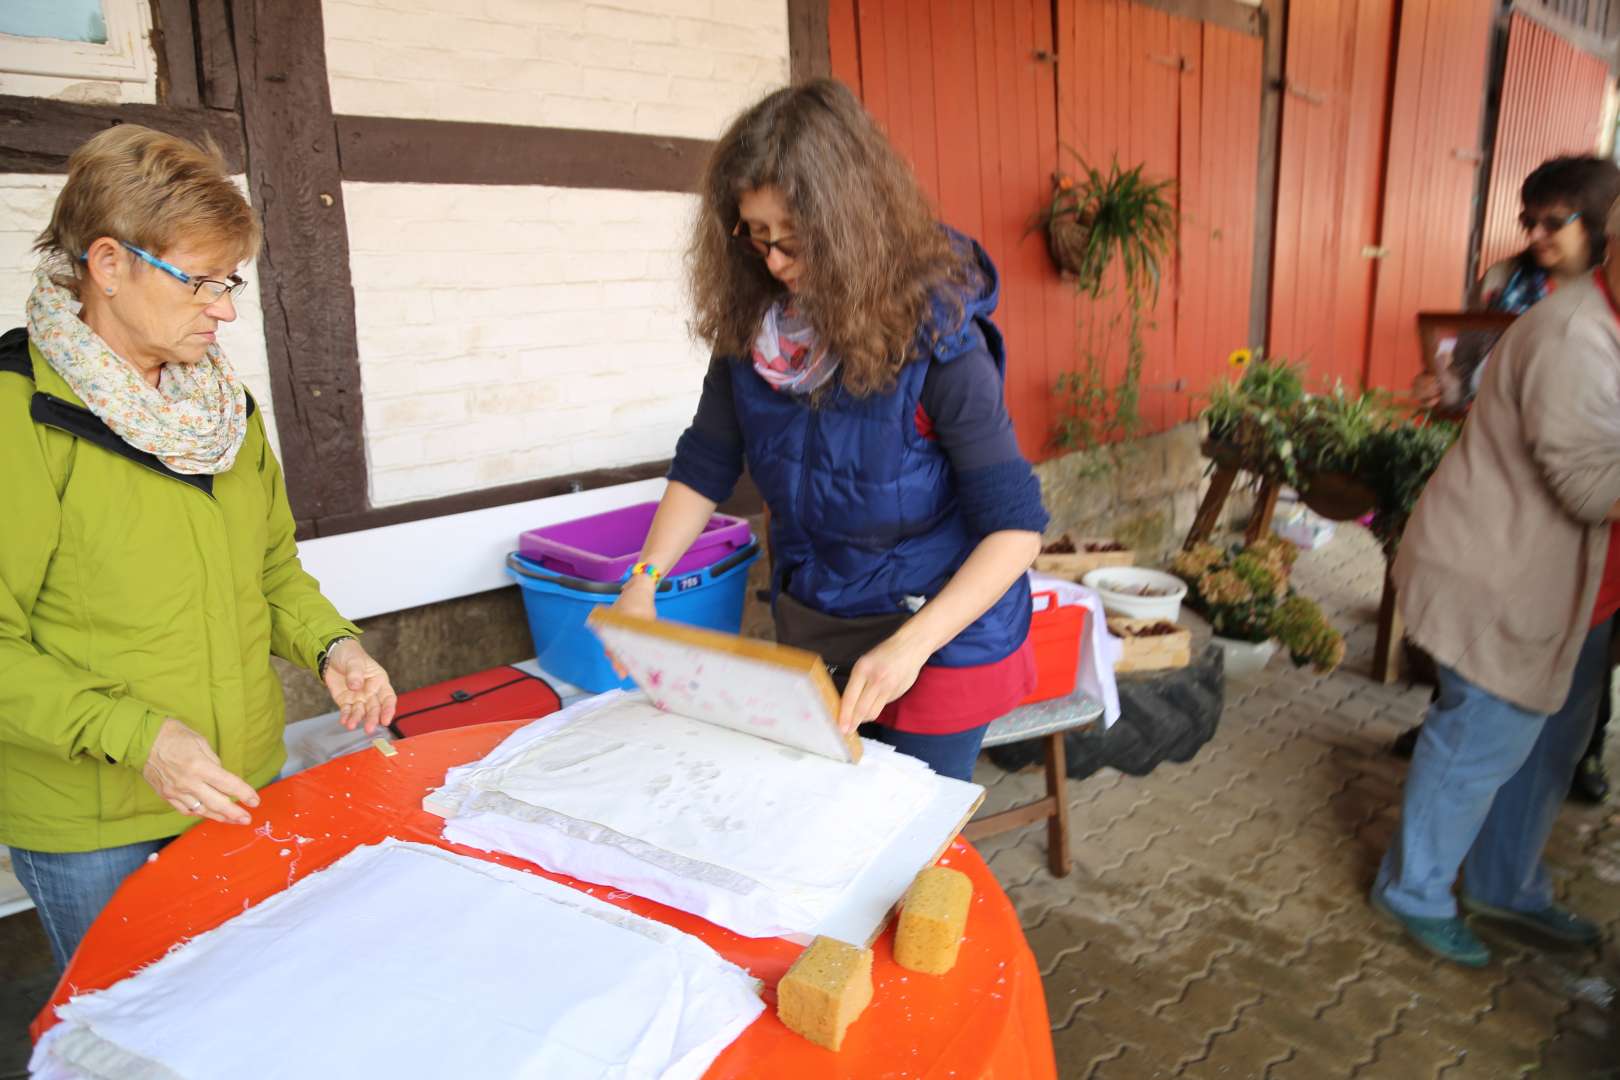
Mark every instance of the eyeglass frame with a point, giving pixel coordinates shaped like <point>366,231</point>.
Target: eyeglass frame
<point>1547,222</point>
<point>233,286</point>
<point>751,244</point>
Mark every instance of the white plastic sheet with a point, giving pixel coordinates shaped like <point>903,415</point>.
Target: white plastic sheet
<point>403,960</point>
<point>756,837</point>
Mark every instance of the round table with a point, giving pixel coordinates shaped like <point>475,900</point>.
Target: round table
<point>986,1017</point>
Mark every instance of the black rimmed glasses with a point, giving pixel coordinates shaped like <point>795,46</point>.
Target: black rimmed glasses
<point>1550,223</point>
<point>208,290</point>
<point>759,246</point>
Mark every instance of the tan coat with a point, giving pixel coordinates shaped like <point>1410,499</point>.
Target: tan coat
<point>1500,564</point>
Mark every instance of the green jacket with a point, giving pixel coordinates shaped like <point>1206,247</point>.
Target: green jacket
<point>129,594</point>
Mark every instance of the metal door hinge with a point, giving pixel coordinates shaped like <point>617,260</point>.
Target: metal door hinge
<point>1305,94</point>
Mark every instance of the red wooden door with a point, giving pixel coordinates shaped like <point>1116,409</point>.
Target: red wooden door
<point>1329,179</point>
<point>958,87</point>
<point>968,92</point>
<point>1429,184</point>
<point>1552,103</point>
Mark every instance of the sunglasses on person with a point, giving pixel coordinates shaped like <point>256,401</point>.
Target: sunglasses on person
<point>759,246</point>
<point>1549,223</point>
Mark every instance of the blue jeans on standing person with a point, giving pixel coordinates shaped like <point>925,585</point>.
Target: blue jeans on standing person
<point>948,755</point>
<point>1485,786</point>
<point>69,888</point>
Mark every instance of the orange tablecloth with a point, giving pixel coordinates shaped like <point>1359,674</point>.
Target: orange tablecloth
<point>985,1018</point>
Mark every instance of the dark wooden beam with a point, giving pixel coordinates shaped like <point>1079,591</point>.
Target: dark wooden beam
<point>216,55</point>
<point>394,150</point>
<point>303,269</point>
<point>1231,14</point>
<point>809,53</point>
<point>1274,23</point>
<point>174,41</point>
<point>744,502</point>
<point>37,134</point>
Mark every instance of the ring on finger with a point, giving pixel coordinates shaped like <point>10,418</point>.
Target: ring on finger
<point>194,805</point>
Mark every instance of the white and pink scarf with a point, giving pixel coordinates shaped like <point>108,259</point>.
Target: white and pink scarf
<point>787,354</point>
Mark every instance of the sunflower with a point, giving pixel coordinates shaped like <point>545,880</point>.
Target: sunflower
<point>1239,359</point>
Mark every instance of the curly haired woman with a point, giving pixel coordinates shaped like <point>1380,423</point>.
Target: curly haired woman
<point>857,373</point>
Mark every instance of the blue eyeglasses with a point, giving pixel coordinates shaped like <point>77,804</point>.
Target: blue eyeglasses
<point>208,289</point>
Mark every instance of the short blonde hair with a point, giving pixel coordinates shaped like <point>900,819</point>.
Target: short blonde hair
<point>150,189</point>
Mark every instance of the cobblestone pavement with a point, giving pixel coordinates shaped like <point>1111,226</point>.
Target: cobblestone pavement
<point>1215,924</point>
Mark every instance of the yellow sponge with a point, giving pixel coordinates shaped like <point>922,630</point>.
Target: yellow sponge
<point>828,986</point>
<point>933,916</point>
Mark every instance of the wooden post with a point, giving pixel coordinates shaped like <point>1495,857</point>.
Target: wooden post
<point>1209,511</point>
<point>1260,523</point>
<point>1057,826</point>
<point>1391,633</point>
<point>293,169</point>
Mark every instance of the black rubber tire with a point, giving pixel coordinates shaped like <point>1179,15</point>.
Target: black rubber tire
<point>1163,716</point>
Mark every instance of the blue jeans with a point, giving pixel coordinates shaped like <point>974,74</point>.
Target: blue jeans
<point>70,888</point>
<point>949,755</point>
<point>1486,782</point>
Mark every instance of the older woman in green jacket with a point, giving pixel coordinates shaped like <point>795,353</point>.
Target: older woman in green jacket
<point>148,571</point>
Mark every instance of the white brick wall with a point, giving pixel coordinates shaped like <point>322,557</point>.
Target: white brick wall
<point>669,67</point>
<point>511,333</point>
<point>25,208</point>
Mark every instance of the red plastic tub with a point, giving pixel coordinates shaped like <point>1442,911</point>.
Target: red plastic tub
<point>1055,634</point>
<point>603,547</point>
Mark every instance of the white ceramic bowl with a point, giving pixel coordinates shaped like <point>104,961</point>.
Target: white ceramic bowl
<point>1119,588</point>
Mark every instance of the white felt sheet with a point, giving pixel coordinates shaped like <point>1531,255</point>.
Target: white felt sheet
<point>404,960</point>
<point>757,837</point>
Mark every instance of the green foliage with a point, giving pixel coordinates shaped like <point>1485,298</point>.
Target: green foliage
<point>1130,220</point>
<point>1331,430</point>
<point>1396,463</point>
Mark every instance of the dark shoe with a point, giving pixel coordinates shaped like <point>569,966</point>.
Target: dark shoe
<point>1406,741</point>
<point>1591,783</point>
<point>1449,939</point>
<point>1553,921</point>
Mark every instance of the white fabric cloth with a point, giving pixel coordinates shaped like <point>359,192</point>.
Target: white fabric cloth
<point>403,960</point>
<point>1099,650</point>
<point>754,836</point>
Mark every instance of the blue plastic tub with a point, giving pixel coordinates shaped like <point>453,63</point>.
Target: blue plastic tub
<point>558,605</point>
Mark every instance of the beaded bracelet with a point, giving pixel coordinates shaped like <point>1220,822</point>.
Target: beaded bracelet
<point>649,569</point>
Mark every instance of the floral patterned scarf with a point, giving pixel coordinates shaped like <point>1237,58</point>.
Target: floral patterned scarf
<point>787,354</point>
<point>194,420</point>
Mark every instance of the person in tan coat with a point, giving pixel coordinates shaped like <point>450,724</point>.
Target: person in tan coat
<point>1508,577</point>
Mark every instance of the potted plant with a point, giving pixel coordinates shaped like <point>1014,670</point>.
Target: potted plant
<point>1245,595</point>
<point>1331,432</point>
<point>1092,223</point>
<point>1250,419</point>
<point>1396,464</point>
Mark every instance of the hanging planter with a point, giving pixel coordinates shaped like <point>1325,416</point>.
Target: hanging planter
<point>1067,235</point>
<point>1337,496</point>
<point>1107,217</point>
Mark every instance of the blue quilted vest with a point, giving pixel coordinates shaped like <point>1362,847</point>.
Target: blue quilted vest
<point>864,515</point>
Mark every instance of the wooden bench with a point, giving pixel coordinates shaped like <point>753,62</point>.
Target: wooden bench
<point>1050,720</point>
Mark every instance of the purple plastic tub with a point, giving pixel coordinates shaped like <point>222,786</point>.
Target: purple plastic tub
<point>603,547</point>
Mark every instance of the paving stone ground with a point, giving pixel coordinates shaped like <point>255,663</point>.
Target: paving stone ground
<point>1216,924</point>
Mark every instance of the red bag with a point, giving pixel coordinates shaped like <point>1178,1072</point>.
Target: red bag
<point>501,693</point>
